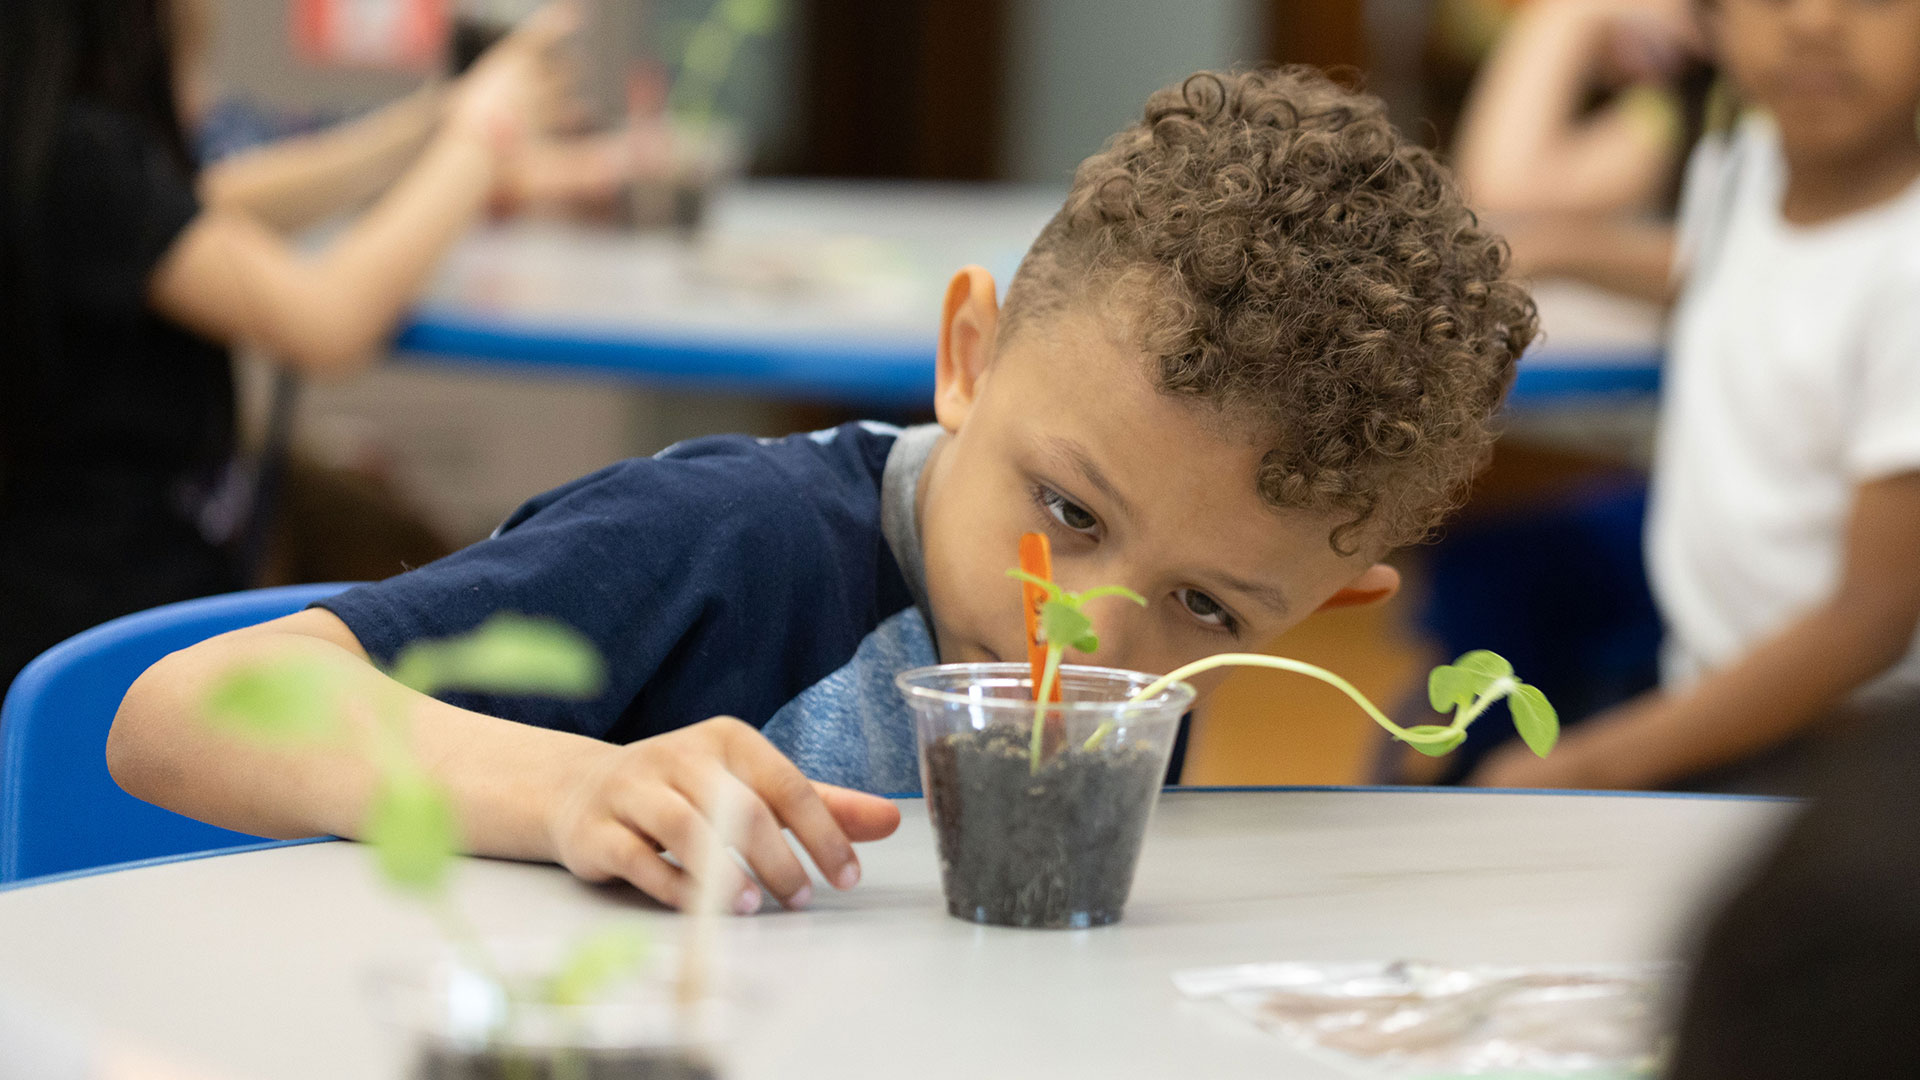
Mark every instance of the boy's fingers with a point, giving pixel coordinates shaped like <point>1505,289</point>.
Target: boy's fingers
<point>862,816</point>
<point>759,837</point>
<point>676,825</point>
<point>791,796</point>
<point>636,862</point>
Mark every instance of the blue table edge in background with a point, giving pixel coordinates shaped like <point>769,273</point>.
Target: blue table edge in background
<point>885,374</point>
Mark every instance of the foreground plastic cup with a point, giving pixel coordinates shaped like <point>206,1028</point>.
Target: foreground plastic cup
<point>466,1023</point>
<point>1054,847</point>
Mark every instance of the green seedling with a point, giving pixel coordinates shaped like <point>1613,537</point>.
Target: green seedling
<point>1466,688</point>
<point>411,826</point>
<point>1063,625</point>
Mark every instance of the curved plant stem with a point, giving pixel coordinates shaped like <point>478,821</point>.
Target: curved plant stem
<point>1281,663</point>
<point>1500,688</point>
<point>1042,697</point>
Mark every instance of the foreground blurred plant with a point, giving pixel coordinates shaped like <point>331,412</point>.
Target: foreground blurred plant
<point>411,827</point>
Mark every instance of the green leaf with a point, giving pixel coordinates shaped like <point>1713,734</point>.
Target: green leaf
<point>596,961</point>
<point>1061,618</point>
<point>1490,666</point>
<point>507,654</point>
<point>1053,591</point>
<point>1079,599</point>
<point>412,832</point>
<point>1534,718</point>
<point>286,700</point>
<point>1454,685</point>
<point>1063,623</point>
<point>1449,688</point>
<point>1435,749</point>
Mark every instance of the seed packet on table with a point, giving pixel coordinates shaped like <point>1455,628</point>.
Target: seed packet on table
<point>1415,1021</point>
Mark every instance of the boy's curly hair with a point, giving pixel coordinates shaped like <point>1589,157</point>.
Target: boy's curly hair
<point>1295,263</point>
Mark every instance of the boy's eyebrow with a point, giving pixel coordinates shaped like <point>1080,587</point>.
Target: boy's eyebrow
<point>1268,595</point>
<point>1076,456</point>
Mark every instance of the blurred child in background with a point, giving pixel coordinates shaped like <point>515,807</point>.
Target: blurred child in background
<point>125,274</point>
<point>1784,536</point>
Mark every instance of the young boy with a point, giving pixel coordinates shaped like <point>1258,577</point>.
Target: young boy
<point>1786,493</point>
<point>1261,344</point>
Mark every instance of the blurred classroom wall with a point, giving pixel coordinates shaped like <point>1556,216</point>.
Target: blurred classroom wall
<point>253,59</point>
<point>1079,70</point>
<point>1029,86</point>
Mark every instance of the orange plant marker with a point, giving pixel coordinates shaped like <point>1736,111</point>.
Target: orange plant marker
<point>1036,558</point>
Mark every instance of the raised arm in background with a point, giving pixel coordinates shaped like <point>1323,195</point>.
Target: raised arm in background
<point>1528,143</point>
<point>231,277</point>
<point>297,182</point>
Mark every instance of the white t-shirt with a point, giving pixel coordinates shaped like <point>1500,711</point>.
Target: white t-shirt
<point>1793,376</point>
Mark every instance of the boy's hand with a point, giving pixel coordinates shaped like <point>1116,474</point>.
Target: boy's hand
<point>629,806</point>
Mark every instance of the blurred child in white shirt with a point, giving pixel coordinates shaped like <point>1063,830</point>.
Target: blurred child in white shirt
<point>1784,537</point>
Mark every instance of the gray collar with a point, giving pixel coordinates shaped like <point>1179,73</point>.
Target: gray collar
<point>899,485</point>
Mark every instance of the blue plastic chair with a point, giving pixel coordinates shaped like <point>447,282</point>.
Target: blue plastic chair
<point>60,810</point>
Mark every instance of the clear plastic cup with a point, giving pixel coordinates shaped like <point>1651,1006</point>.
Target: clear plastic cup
<point>1056,846</point>
<point>471,1020</point>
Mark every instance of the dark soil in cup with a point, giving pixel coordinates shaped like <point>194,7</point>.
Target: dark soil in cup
<point>441,1063</point>
<point>1053,849</point>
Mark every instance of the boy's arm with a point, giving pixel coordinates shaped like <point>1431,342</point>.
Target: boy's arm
<point>1786,685</point>
<point>603,811</point>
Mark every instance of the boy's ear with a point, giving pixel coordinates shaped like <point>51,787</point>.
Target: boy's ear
<point>968,318</point>
<point>1375,584</point>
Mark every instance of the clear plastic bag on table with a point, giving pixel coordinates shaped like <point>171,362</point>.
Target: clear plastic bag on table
<point>1408,1020</point>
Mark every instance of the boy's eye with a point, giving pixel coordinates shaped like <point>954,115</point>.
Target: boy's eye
<point>1204,608</point>
<point>1068,513</point>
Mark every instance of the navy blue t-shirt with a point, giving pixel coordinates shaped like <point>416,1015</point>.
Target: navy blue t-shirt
<point>723,577</point>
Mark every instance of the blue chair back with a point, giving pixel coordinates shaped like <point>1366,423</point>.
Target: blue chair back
<point>60,809</point>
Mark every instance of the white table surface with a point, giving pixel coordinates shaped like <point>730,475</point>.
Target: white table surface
<point>833,289</point>
<point>258,963</point>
